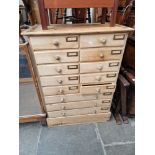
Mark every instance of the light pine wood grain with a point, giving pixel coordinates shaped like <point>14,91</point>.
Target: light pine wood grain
<point>104,104</point>
<point>75,97</point>
<point>101,54</point>
<point>99,67</point>
<point>60,90</point>
<point>89,118</point>
<point>56,56</point>
<point>59,80</point>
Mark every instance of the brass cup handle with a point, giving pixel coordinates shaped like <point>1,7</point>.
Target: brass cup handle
<point>100,67</point>
<point>57,57</point>
<point>62,99</point>
<point>98,78</point>
<point>56,43</point>
<point>59,70</point>
<point>103,41</point>
<point>59,81</point>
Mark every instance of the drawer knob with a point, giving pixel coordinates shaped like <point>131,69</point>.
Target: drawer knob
<point>63,107</point>
<point>57,57</point>
<point>98,90</point>
<point>56,43</point>
<point>59,70</point>
<point>100,67</point>
<point>103,41</point>
<point>101,55</point>
<point>60,81</point>
<point>61,90</point>
<point>98,78</point>
<point>62,99</point>
<point>63,114</point>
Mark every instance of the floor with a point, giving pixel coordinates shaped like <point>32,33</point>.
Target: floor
<point>87,139</point>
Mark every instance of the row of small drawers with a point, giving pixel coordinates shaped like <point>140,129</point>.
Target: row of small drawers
<point>84,55</point>
<point>77,41</point>
<point>94,78</point>
<point>75,68</point>
<point>71,89</point>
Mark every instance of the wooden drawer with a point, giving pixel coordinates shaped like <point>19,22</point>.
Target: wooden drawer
<point>59,80</point>
<point>73,112</point>
<point>56,56</point>
<point>104,104</point>
<point>89,118</point>
<point>101,54</point>
<point>58,69</point>
<point>101,40</point>
<point>59,90</point>
<point>76,97</point>
<point>95,89</point>
<point>96,67</point>
<point>54,42</point>
<point>98,77</point>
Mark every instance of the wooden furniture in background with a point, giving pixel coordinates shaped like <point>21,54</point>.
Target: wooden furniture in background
<point>44,5</point>
<point>32,118</point>
<point>77,68</point>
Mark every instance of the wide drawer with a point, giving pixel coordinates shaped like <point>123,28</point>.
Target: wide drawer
<point>59,80</point>
<point>101,40</point>
<point>76,97</point>
<point>89,118</point>
<point>95,89</point>
<point>104,104</point>
<point>74,112</point>
<point>95,67</point>
<point>58,69</point>
<point>98,77</point>
<point>101,54</point>
<point>54,42</point>
<point>56,56</point>
<point>59,90</point>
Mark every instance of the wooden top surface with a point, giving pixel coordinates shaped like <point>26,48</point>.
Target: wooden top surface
<point>75,29</point>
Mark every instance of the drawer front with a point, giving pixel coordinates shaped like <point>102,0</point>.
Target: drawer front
<point>53,56</point>
<point>74,112</point>
<point>101,40</point>
<point>101,54</point>
<point>96,67</point>
<point>60,90</point>
<point>76,97</point>
<point>54,42</point>
<point>95,89</point>
<point>98,77</point>
<point>104,104</point>
<point>59,80</point>
<point>89,118</point>
<point>59,69</point>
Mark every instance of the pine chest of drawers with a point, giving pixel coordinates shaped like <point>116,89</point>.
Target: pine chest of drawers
<point>76,67</point>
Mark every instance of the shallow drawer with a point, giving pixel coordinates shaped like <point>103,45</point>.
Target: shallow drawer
<point>89,118</point>
<point>98,77</point>
<point>76,97</point>
<point>96,67</point>
<point>104,104</point>
<point>58,69</point>
<point>60,90</point>
<point>59,80</point>
<point>95,89</point>
<point>101,40</point>
<point>101,54</point>
<point>56,56</point>
<point>73,112</point>
<point>54,42</point>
